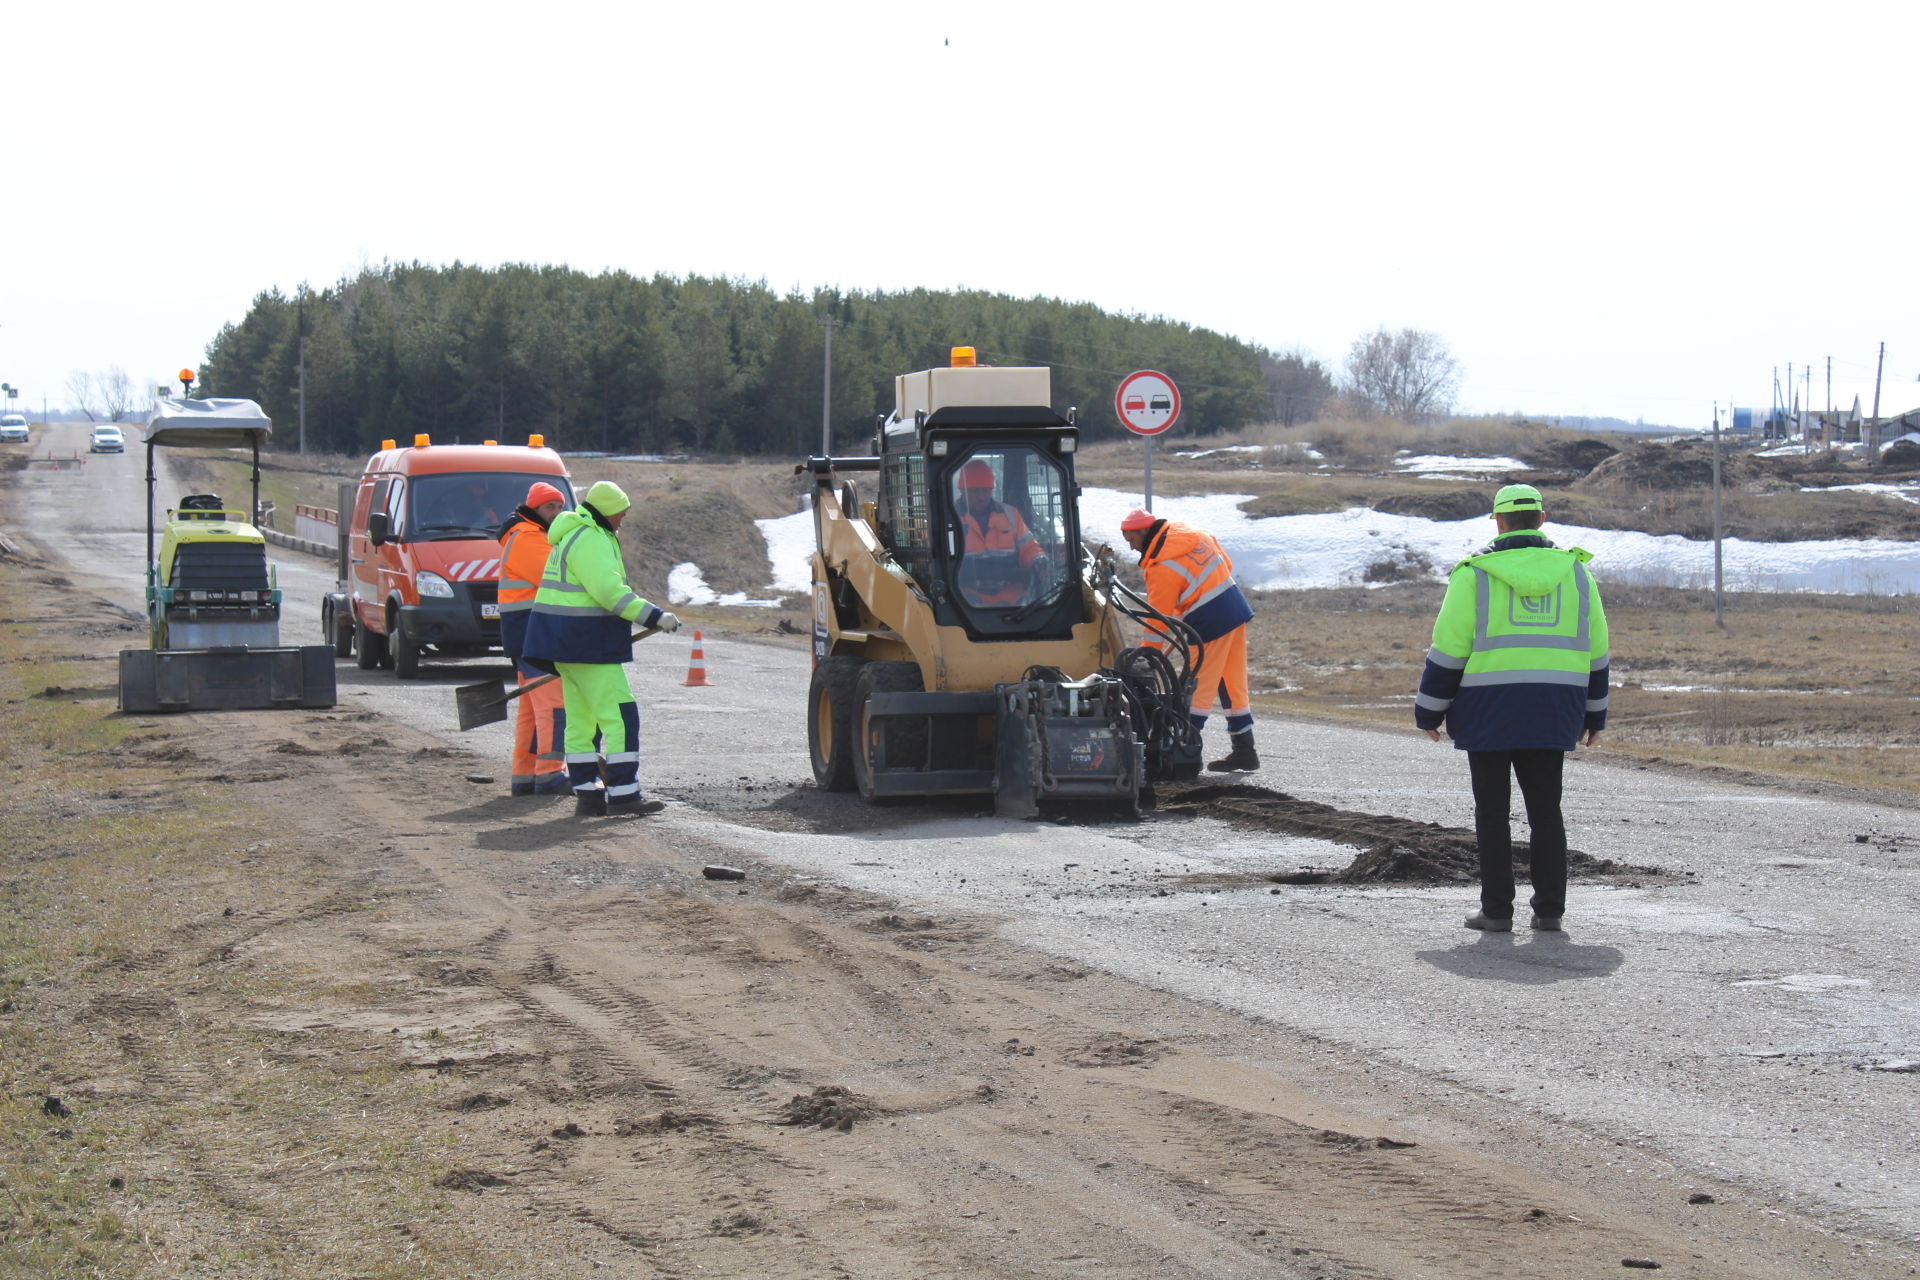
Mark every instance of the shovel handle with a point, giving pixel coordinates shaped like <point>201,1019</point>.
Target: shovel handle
<point>531,685</point>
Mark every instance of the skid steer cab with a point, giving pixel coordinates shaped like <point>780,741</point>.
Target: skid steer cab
<point>965,642</point>
<point>213,605</point>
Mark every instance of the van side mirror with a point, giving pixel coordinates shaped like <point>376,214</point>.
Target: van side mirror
<point>377,528</point>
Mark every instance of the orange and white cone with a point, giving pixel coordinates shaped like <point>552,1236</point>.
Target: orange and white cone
<point>697,670</point>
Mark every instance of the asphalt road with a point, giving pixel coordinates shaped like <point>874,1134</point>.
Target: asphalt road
<point>1751,1019</point>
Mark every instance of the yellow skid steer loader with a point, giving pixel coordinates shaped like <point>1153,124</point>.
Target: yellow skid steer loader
<point>965,642</point>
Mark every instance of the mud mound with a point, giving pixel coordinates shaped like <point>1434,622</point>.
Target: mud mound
<point>1393,850</point>
<point>1454,504</point>
<point>827,1107</point>
<point>1684,465</point>
<point>1901,455</point>
<point>1576,457</point>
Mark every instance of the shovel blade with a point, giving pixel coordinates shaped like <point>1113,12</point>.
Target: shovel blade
<point>483,703</point>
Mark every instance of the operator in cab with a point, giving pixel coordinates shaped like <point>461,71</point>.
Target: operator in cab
<point>1003,563</point>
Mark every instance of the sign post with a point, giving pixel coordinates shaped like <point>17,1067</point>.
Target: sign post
<point>1147,403</point>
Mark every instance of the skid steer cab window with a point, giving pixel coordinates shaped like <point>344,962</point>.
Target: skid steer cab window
<point>1008,536</point>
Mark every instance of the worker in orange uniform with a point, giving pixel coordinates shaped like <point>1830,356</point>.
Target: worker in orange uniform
<point>541,722</point>
<point>1001,554</point>
<point>1190,578</point>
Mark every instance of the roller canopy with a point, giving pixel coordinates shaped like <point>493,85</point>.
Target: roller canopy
<point>218,424</point>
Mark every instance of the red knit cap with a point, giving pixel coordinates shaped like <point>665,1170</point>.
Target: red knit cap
<point>1137,519</point>
<point>543,493</point>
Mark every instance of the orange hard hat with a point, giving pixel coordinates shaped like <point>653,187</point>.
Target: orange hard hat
<point>976,475</point>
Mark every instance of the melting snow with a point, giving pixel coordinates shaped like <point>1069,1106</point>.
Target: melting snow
<point>1334,550</point>
<point>1442,465</point>
<point>687,585</point>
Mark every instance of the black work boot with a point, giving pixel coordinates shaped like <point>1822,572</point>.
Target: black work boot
<point>633,806</point>
<point>590,804</point>
<point>1243,758</point>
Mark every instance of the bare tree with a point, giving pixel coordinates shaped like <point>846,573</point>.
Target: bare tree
<point>1298,386</point>
<point>116,392</point>
<point>1406,375</point>
<point>81,391</point>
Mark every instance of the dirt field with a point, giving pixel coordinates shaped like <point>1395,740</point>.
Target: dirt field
<point>252,1035</point>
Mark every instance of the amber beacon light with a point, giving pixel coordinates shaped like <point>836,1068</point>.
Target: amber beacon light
<point>962,358</point>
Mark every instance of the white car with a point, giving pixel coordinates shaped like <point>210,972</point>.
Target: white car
<point>107,439</point>
<point>13,428</point>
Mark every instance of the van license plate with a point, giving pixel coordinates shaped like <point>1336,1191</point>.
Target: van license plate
<point>489,610</point>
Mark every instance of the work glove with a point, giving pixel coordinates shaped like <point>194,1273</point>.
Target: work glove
<point>667,622</point>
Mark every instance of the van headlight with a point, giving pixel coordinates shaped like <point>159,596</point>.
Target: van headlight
<point>432,584</point>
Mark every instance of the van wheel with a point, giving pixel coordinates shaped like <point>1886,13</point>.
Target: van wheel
<point>406,653</point>
<point>340,631</point>
<point>369,648</point>
<point>830,722</point>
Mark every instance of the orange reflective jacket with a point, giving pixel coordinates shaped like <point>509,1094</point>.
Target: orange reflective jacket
<point>1190,577</point>
<point>523,558</point>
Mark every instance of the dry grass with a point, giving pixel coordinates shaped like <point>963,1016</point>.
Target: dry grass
<point>197,1144</point>
<point>1817,687</point>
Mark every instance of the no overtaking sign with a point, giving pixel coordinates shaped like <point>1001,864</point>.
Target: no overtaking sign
<point>1147,402</point>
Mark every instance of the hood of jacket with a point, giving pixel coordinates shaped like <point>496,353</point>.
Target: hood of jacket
<point>1531,570</point>
<point>566,522</point>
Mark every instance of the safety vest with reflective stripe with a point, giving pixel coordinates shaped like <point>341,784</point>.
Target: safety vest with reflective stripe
<point>1519,658</point>
<point>523,558</point>
<point>1002,530</point>
<point>1189,577</point>
<point>583,610</point>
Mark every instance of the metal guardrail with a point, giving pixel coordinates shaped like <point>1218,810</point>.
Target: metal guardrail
<point>306,546</point>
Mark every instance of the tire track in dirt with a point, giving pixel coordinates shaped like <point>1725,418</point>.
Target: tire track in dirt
<point>1101,1148</point>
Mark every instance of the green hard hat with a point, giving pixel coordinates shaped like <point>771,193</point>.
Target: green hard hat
<point>1517,497</point>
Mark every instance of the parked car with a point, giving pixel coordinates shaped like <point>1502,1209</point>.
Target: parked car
<point>13,428</point>
<point>107,439</point>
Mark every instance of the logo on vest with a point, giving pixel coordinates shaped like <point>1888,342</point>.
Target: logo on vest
<point>1535,611</point>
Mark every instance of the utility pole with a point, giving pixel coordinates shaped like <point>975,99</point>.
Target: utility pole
<point>303,375</point>
<point>1719,580</point>
<point>1878,368</point>
<point>826,391</point>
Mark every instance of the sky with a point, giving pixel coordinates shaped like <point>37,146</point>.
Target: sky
<point>1633,210</point>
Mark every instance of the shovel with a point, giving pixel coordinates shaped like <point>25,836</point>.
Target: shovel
<point>486,702</point>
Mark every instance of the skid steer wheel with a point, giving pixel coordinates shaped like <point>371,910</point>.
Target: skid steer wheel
<point>906,739</point>
<point>368,649</point>
<point>830,703</point>
<point>406,653</point>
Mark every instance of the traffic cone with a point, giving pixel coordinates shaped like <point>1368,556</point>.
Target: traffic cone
<point>697,670</point>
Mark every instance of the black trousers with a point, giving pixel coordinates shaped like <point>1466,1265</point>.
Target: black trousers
<point>1538,773</point>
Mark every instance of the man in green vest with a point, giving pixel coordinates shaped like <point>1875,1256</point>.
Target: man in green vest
<point>582,624</point>
<point>1517,673</point>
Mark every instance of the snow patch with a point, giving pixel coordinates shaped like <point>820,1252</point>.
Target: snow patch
<point>687,585</point>
<point>1336,550</point>
<point>1445,466</point>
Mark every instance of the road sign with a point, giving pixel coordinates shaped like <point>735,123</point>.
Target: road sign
<point>1147,402</point>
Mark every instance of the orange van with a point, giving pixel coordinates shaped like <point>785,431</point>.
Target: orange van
<point>419,549</point>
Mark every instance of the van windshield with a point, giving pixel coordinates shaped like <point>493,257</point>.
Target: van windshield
<point>469,504</point>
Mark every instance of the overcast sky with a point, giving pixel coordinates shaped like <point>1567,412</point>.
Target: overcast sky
<point>1631,209</point>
